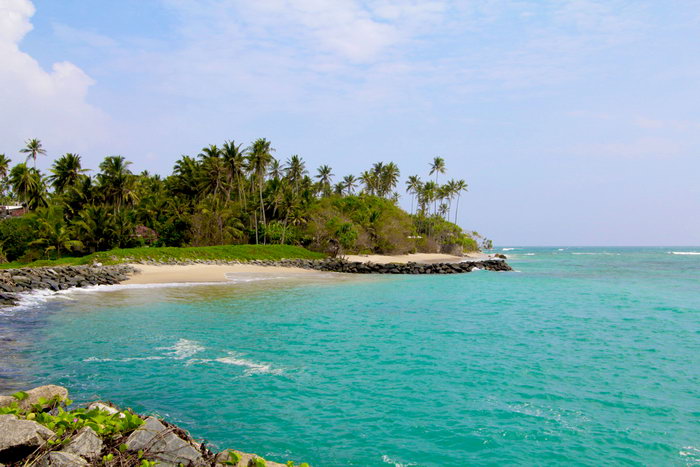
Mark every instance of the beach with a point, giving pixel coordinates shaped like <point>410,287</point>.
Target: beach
<point>194,273</point>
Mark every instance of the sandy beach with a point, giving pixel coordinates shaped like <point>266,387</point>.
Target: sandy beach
<point>166,273</point>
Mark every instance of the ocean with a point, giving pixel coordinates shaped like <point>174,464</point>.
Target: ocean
<point>582,356</point>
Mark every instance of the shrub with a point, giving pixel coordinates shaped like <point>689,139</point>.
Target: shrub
<point>15,236</point>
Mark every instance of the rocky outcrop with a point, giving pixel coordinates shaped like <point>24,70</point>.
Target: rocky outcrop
<point>20,438</point>
<point>49,392</point>
<point>14,281</point>
<point>24,441</point>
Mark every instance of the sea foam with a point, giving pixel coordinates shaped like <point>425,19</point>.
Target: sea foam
<point>684,252</point>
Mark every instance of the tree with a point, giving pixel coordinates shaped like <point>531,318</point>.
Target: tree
<point>234,158</point>
<point>413,186</point>
<point>53,233</point>
<point>349,184</point>
<point>24,181</point>
<point>4,166</point>
<point>117,181</point>
<point>295,169</point>
<point>32,148</point>
<point>66,171</point>
<point>259,157</point>
<point>460,186</point>
<point>437,167</point>
<point>324,176</point>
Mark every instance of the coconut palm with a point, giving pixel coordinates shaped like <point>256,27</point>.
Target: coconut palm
<point>259,158</point>
<point>53,234</point>
<point>388,178</point>
<point>66,171</point>
<point>32,149</point>
<point>413,186</point>
<point>324,176</point>
<point>4,166</point>
<point>23,181</point>
<point>295,170</point>
<point>275,171</point>
<point>117,181</point>
<point>460,186</point>
<point>349,184</point>
<point>234,157</point>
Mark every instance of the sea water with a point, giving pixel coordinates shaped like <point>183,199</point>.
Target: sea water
<point>585,356</point>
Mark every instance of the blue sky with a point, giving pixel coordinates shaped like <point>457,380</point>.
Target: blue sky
<point>574,122</point>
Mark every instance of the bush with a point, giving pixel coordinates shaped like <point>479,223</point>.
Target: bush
<point>15,235</point>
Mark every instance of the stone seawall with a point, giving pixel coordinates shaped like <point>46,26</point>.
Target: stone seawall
<point>15,281</point>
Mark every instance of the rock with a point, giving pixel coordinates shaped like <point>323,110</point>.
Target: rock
<point>159,442</point>
<point>48,392</point>
<point>104,407</point>
<point>19,438</point>
<point>61,459</point>
<point>85,444</point>
<point>246,459</point>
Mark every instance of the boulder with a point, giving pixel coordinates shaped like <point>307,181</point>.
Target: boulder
<point>160,443</point>
<point>61,459</point>
<point>246,459</point>
<point>47,392</point>
<point>19,438</point>
<point>103,407</point>
<point>85,443</point>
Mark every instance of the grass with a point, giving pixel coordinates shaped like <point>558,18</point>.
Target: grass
<point>222,252</point>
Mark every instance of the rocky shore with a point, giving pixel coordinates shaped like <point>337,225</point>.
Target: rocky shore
<point>358,267</point>
<point>38,428</point>
<point>15,281</point>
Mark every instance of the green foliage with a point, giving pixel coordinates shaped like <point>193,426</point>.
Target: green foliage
<point>259,462</point>
<point>221,252</point>
<point>233,458</point>
<point>15,236</point>
<point>20,395</point>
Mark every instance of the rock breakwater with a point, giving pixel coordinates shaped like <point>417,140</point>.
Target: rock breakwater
<point>16,281</point>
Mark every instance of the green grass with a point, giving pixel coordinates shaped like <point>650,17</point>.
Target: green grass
<point>222,252</point>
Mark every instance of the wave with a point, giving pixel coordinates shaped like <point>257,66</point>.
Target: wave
<point>684,252</point>
<point>184,348</point>
<point>601,253</point>
<point>388,460</point>
<point>126,359</point>
<point>251,367</point>
<point>509,249</point>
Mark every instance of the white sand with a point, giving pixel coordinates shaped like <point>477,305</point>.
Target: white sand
<point>168,274</point>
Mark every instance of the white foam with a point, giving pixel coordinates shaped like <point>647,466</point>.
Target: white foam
<point>684,252</point>
<point>561,249</point>
<point>509,249</point>
<point>691,453</point>
<point>529,254</point>
<point>601,253</point>
<point>251,367</point>
<point>127,359</point>
<point>184,348</point>
<point>388,460</point>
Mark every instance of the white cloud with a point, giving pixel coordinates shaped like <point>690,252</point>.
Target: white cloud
<point>36,103</point>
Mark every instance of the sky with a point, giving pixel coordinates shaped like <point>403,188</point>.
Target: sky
<point>574,122</point>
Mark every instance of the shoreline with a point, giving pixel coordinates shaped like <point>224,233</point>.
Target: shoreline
<point>168,273</point>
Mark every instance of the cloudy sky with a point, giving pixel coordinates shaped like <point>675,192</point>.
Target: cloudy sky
<point>575,122</point>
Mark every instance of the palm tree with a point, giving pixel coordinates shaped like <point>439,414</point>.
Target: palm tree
<point>117,181</point>
<point>369,180</point>
<point>23,181</point>
<point>389,177</point>
<point>94,227</point>
<point>32,148</point>
<point>460,186</point>
<point>324,176</point>
<point>211,151</point>
<point>413,186</point>
<point>295,170</point>
<point>234,157</point>
<point>437,167</point>
<point>349,184</point>
<point>53,233</point>
<point>4,166</point>
<point>275,169</point>
<point>66,171</point>
<point>259,157</point>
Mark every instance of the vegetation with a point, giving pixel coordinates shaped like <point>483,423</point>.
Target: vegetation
<point>228,195</point>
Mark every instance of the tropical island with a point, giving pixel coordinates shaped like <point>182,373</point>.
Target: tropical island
<point>228,195</point>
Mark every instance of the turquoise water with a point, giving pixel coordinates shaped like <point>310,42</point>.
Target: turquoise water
<point>583,356</point>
